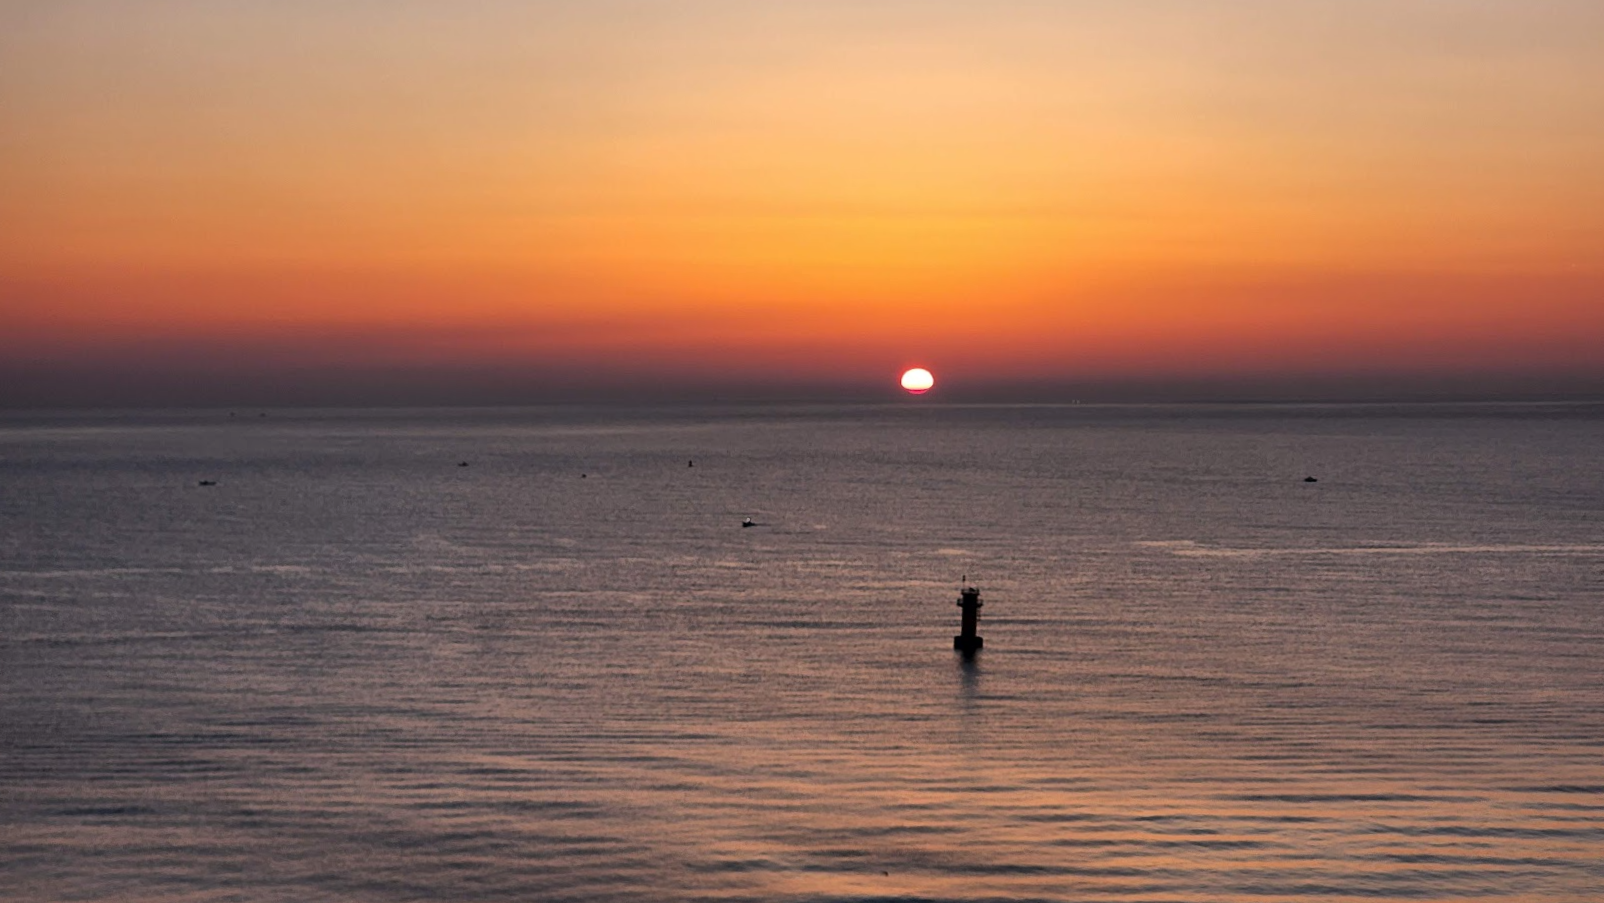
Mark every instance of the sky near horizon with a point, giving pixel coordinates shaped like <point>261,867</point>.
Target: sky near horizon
<point>610,195</point>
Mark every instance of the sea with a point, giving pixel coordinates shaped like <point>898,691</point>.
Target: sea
<point>532,654</point>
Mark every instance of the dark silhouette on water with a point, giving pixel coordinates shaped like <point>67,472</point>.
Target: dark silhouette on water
<point>1310,480</point>
<point>968,641</point>
<point>748,522</point>
<point>208,482</point>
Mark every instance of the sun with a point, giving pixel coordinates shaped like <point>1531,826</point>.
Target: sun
<point>918,381</point>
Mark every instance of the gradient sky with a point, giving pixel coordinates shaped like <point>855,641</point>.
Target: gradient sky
<point>356,200</point>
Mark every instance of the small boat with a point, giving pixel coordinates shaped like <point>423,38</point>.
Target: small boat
<point>208,482</point>
<point>748,522</point>
<point>1310,480</point>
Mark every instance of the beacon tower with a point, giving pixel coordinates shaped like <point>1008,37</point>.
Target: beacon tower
<point>967,640</point>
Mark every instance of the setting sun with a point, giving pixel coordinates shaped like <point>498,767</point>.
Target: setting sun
<point>918,380</point>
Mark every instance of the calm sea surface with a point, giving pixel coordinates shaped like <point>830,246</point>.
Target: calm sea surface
<point>356,670</point>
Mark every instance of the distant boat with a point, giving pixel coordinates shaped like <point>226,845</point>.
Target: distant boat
<point>208,482</point>
<point>1310,480</point>
<point>748,522</point>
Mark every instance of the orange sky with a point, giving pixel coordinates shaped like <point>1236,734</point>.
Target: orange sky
<point>751,193</point>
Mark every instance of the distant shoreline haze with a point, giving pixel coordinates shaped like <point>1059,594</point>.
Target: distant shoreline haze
<point>24,387</point>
